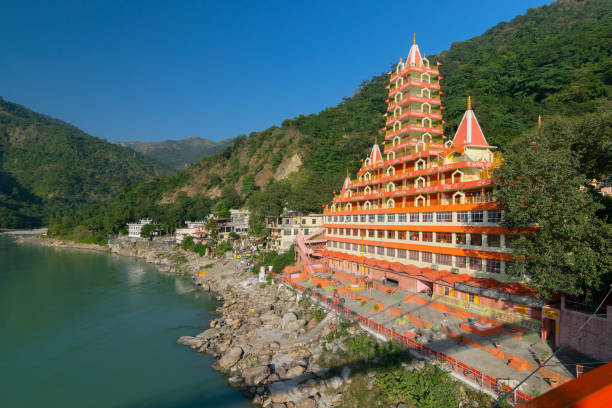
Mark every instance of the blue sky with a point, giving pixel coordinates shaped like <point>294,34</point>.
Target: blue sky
<point>174,69</point>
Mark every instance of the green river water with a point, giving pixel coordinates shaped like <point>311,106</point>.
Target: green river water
<point>88,329</point>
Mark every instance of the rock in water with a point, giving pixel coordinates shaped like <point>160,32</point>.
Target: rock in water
<point>230,358</point>
<point>256,375</point>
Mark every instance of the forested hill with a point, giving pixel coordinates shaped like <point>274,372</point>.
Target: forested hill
<point>49,167</point>
<point>552,60</point>
<point>179,154</point>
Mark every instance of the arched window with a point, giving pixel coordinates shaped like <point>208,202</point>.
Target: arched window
<point>425,77</point>
<point>420,164</point>
<point>399,82</point>
<point>419,201</point>
<point>399,68</point>
<point>397,125</point>
<point>367,205</point>
<point>366,162</point>
<point>426,138</point>
<point>426,122</point>
<point>390,187</point>
<point>391,154</point>
<point>420,182</point>
<point>349,207</point>
<point>367,190</point>
<point>367,176</point>
<point>457,173</point>
<point>398,97</point>
<point>425,62</point>
<point>396,141</point>
<point>425,93</point>
<point>391,171</point>
<point>397,111</point>
<point>425,107</point>
<point>390,203</point>
<point>459,198</point>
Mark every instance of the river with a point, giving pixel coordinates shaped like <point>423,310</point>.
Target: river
<point>89,329</point>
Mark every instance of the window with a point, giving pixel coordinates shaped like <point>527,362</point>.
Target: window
<point>390,217</point>
<point>426,257</point>
<point>427,217</point>
<point>355,232</point>
<point>371,233</point>
<point>414,255</point>
<point>493,240</point>
<point>460,238</point>
<point>303,221</point>
<point>493,266</point>
<point>391,252</point>
<point>446,291</point>
<point>355,218</point>
<point>334,244</point>
<point>401,235</point>
<point>380,250</point>
<point>414,217</point>
<point>295,231</point>
<point>476,239</point>
<point>335,218</point>
<point>341,218</point>
<point>380,234</point>
<point>462,216</point>
<point>414,235</point>
<point>445,216</point>
<point>444,237</point>
<point>314,221</point>
<point>355,247</point>
<point>471,297</point>
<point>390,234</point>
<point>287,220</point>
<point>401,217</point>
<point>494,216</point>
<point>362,218</point>
<point>442,259</point>
<point>460,261</point>
<point>427,236</point>
<point>401,253</point>
<point>370,249</point>
<point>476,264</point>
<point>477,216</point>
<point>306,231</point>
<point>287,232</point>
<point>380,218</point>
<point>371,218</point>
<point>340,245</point>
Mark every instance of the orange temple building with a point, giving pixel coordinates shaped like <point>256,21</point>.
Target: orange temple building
<point>420,212</point>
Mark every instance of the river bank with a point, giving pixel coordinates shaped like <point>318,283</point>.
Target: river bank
<point>282,350</point>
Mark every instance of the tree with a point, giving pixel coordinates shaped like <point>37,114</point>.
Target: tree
<point>542,183</point>
<point>147,230</point>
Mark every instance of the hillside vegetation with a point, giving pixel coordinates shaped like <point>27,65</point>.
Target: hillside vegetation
<point>552,60</point>
<point>50,168</point>
<point>178,154</point>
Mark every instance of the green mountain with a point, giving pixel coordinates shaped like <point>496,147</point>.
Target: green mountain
<point>49,167</point>
<point>554,60</point>
<point>179,154</point>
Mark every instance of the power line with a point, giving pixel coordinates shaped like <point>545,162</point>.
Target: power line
<point>503,397</point>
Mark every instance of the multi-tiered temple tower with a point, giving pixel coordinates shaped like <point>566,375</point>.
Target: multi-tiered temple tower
<point>421,212</point>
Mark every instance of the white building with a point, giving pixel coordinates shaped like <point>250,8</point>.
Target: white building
<point>284,228</point>
<point>135,228</point>
<point>195,229</point>
<point>240,221</point>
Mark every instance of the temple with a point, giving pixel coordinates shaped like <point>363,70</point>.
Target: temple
<point>420,214</point>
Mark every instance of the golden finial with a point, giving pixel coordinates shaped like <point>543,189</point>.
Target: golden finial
<point>539,121</point>
<point>469,103</point>
<point>414,38</point>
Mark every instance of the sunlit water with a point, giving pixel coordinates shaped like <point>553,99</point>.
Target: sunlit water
<point>87,329</point>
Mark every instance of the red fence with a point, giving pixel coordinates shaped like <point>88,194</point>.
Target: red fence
<point>446,362</point>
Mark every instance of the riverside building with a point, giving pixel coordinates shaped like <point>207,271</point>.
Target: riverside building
<point>420,212</point>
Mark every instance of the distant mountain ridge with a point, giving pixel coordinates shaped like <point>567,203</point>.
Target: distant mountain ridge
<point>49,168</point>
<point>179,154</point>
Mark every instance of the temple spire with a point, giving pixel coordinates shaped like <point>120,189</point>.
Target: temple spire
<point>469,107</point>
<point>539,121</point>
<point>414,38</point>
<point>469,131</point>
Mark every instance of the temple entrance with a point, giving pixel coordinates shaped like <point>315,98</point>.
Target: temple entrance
<point>424,287</point>
<point>548,330</point>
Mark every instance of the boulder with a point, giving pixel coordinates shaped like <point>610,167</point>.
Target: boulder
<point>287,319</point>
<point>284,391</point>
<point>293,372</point>
<point>192,342</point>
<point>306,403</point>
<point>230,358</point>
<point>235,381</point>
<point>256,375</point>
<point>335,382</point>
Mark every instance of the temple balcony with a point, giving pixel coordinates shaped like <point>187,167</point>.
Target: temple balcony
<point>412,68</point>
<point>413,98</point>
<point>413,113</point>
<point>412,83</point>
